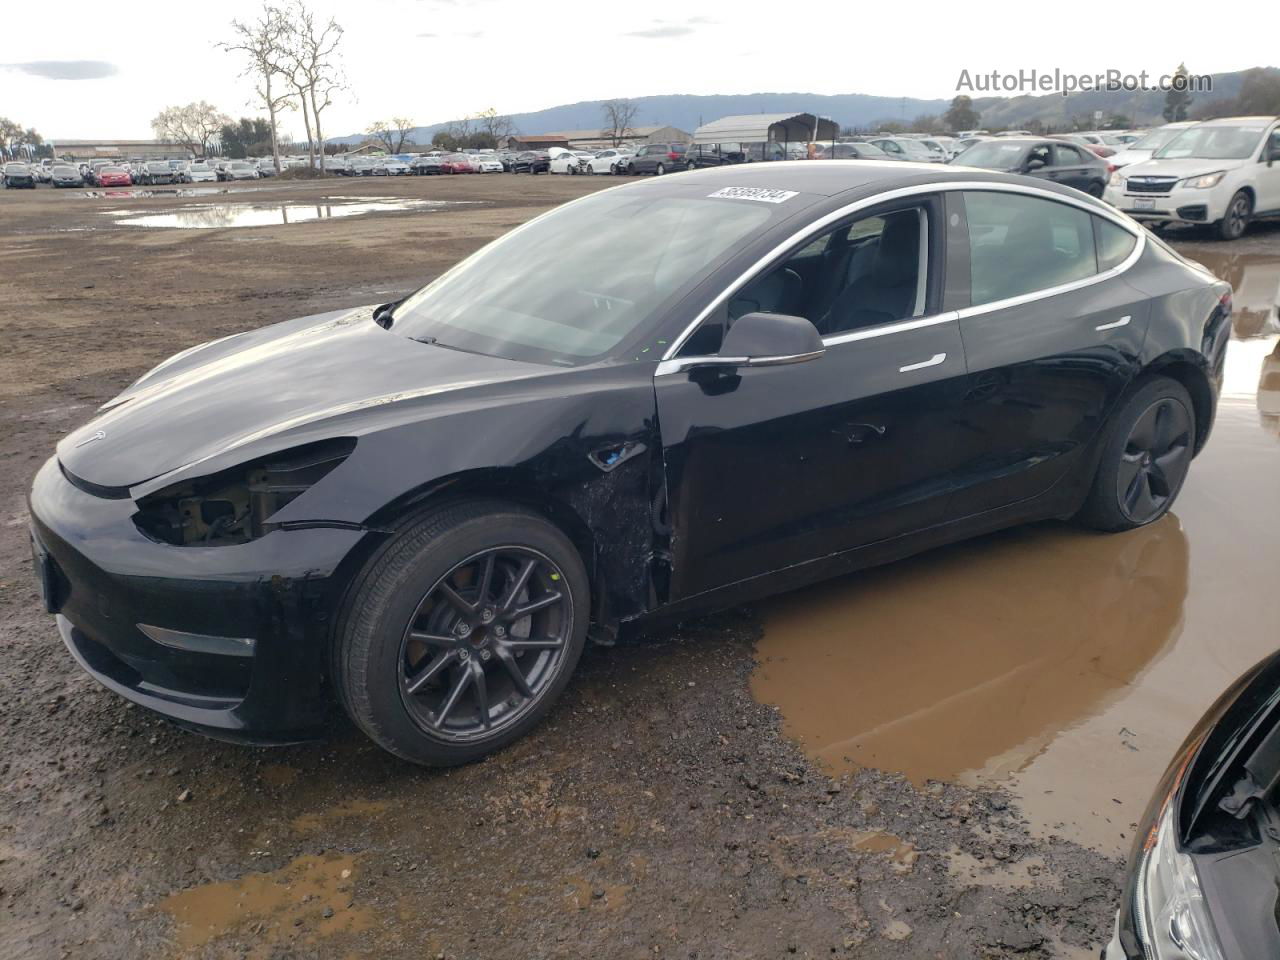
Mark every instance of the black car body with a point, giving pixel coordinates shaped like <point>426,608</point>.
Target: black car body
<point>64,175</point>
<point>1069,164</point>
<point>728,154</point>
<point>1203,877</point>
<point>18,175</point>
<point>658,158</point>
<point>424,166</point>
<point>532,161</point>
<point>679,394</point>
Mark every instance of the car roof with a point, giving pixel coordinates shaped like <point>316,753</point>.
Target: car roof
<point>1233,121</point>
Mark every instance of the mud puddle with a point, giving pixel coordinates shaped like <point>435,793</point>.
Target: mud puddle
<point>1063,664</point>
<point>310,898</point>
<point>144,192</point>
<point>220,215</point>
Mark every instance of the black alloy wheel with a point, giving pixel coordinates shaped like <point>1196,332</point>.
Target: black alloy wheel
<point>484,643</point>
<point>1155,460</point>
<point>1144,458</point>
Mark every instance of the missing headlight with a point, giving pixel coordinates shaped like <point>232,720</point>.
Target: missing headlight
<point>236,505</point>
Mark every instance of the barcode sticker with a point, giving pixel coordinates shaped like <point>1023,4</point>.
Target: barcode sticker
<point>762,194</point>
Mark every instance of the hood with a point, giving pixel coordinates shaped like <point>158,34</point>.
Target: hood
<point>1189,167</point>
<point>248,387</point>
<point>1126,157</point>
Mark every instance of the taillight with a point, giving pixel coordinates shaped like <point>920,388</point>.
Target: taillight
<point>1112,168</point>
<point>1225,303</point>
<point>673,155</point>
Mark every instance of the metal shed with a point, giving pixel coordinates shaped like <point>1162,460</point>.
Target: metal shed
<point>767,128</point>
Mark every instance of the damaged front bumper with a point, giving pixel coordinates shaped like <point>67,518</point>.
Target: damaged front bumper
<point>228,640</point>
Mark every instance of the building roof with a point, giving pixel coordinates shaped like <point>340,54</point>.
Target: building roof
<point>762,127</point>
<point>599,133</point>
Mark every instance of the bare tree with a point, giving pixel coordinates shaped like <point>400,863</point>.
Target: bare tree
<point>264,45</point>
<point>494,124</point>
<point>618,115</point>
<point>313,66</point>
<point>195,126</point>
<point>393,135</point>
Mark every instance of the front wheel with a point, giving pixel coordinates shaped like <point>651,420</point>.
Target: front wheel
<point>1239,211</point>
<point>660,169</point>
<point>1144,459</point>
<point>459,636</point>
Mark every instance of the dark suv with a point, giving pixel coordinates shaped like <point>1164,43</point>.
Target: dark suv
<point>658,158</point>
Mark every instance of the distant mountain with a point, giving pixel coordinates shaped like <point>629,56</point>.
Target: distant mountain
<point>687,111</point>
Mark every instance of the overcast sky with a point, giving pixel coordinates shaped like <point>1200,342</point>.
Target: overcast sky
<point>88,72</point>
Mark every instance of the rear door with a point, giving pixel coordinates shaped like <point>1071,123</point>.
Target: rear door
<point>1070,166</point>
<point>1052,336</point>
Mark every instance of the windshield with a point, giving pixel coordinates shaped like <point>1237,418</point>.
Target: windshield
<point>1212,143</point>
<point>66,172</point>
<point>993,155</point>
<point>574,284</point>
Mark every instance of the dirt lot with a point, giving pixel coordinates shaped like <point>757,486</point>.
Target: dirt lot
<point>946,782</point>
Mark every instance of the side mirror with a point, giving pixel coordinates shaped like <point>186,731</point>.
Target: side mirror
<point>769,339</point>
<point>1035,163</point>
<point>1273,154</point>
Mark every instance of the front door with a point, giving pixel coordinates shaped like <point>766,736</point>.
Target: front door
<point>769,467</point>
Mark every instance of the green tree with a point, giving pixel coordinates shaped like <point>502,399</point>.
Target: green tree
<point>1177,101</point>
<point>961,116</point>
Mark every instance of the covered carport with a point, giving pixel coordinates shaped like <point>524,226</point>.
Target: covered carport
<point>761,136</point>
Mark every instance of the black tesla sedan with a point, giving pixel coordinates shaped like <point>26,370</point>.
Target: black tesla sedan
<point>1204,873</point>
<point>659,398</point>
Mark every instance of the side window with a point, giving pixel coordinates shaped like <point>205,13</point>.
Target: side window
<point>1067,155</point>
<point>865,273</point>
<point>1114,243</point>
<point>1020,244</point>
<point>1040,152</point>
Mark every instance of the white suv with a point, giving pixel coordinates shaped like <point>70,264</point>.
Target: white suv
<point>1220,172</point>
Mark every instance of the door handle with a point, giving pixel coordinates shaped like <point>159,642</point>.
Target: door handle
<point>933,361</point>
<point>1123,321</point>
<point>855,433</point>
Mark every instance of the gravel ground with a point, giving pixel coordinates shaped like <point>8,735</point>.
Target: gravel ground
<point>658,812</point>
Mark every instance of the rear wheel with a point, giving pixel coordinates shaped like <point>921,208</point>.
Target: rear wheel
<point>1096,190</point>
<point>460,635</point>
<point>660,169</point>
<point>1144,459</point>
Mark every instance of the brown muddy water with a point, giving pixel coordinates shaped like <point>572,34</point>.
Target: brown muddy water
<point>1063,664</point>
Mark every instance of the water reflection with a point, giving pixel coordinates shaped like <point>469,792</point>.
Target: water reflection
<point>1255,280</point>
<point>970,660</point>
<point>219,215</point>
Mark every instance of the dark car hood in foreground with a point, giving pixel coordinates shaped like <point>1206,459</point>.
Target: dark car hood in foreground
<point>247,387</point>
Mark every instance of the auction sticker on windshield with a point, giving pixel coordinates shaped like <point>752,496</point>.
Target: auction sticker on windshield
<point>762,194</point>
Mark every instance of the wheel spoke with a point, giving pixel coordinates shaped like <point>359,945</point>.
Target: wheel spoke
<point>518,584</point>
<point>432,639</point>
<point>486,579</point>
<point>1157,481</point>
<point>455,600</point>
<point>1141,504</point>
<point>540,604</point>
<point>482,692</point>
<point>1130,467</point>
<point>1144,430</point>
<point>438,663</point>
<point>513,669</point>
<point>464,678</point>
<point>545,643</point>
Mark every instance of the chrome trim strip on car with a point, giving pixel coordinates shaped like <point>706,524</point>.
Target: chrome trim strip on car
<point>1115,323</point>
<point>870,333</point>
<point>1085,203</point>
<point>933,361</point>
<point>686,363</point>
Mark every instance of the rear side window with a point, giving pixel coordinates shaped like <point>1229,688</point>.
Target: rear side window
<point>1114,243</point>
<point>1020,244</point>
<point>1068,156</point>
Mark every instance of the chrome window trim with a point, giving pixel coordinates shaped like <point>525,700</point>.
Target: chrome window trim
<point>1086,203</point>
<point>887,329</point>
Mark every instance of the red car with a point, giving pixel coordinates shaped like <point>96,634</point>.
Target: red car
<point>457,163</point>
<point>114,177</point>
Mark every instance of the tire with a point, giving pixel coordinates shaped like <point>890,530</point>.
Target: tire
<point>1236,220</point>
<point>376,664</point>
<point>659,170</point>
<point>1096,190</point>
<point>1144,460</point>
